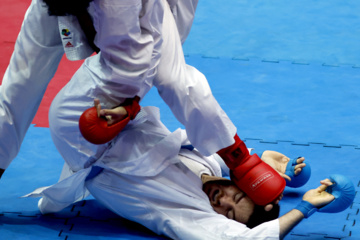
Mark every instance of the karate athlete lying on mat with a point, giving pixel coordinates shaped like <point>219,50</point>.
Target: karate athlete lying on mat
<point>145,175</point>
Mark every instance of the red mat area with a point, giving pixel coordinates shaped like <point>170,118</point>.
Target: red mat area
<point>11,16</point>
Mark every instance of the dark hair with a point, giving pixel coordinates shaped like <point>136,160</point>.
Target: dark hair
<point>260,215</point>
<point>66,7</point>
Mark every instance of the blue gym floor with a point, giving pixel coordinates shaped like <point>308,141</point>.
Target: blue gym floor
<point>288,75</point>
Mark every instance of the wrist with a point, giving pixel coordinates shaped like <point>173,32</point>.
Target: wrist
<point>259,153</point>
<point>131,106</point>
<point>306,208</point>
<point>236,154</point>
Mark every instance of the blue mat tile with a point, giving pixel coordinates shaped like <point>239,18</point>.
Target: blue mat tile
<point>325,31</point>
<point>90,220</point>
<point>324,161</point>
<point>282,101</point>
<point>39,164</point>
<point>19,226</point>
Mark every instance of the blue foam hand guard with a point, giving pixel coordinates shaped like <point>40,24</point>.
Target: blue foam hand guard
<point>297,180</point>
<point>344,192</point>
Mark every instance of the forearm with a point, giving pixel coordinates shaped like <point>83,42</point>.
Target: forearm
<point>289,221</point>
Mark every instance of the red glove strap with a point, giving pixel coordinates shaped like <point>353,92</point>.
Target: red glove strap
<point>235,154</point>
<point>258,180</point>
<point>132,106</point>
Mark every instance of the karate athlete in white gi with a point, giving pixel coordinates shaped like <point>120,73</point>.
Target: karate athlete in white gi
<point>129,35</point>
<point>145,175</point>
<point>44,39</point>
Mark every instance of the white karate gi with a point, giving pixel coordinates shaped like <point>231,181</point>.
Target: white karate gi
<point>41,44</point>
<point>145,181</point>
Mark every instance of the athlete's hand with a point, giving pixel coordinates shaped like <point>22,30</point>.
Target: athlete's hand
<point>271,205</point>
<point>279,161</point>
<point>319,197</point>
<point>112,116</point>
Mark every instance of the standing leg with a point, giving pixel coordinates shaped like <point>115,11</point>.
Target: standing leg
<point>64,114</point>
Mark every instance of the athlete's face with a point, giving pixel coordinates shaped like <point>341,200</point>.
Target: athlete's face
<point>228,200</point>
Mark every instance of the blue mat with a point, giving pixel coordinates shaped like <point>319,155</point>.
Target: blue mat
<point>39,164</point>
<point>316,31</point>
<point>282,100</point>
<point>324,160</point>
<point>299,109</point>
<point>287,74</point>
<point>311,115</point>
<point>20,219</point>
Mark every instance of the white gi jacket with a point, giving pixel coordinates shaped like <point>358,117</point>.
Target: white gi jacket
<point>130,49</point>
<point>145,181</point>
<point>40,47</point>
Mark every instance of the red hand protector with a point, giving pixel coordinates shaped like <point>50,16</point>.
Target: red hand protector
<point>258,180</point>
<point>253,176</point>
<point>234,154</point>
<point>132,106</point>
<point>96,129</point>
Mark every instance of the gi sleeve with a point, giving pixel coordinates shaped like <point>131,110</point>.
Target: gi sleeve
<point>129,37</point>
<point>187,93</point>
<point>184,14</point>
<point>38,51</point>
